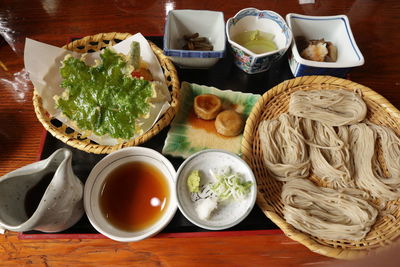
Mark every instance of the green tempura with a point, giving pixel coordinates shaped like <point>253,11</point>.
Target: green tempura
<point>104,98</point>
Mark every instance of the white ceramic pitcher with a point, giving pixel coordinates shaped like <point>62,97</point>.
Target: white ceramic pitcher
<point>59,198</point>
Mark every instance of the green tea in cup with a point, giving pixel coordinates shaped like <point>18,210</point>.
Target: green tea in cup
<point>256,41</point>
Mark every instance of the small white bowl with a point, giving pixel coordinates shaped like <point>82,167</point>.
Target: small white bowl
<point>208,24</point>
<point>335,29</point>
<point>228,215</point>
<point>94,184</point>
<point>250,19</point>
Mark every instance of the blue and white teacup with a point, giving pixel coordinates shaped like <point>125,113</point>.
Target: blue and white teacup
<point>250,19</point>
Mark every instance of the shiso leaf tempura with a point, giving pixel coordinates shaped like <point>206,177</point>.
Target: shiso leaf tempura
<point>105,98</point>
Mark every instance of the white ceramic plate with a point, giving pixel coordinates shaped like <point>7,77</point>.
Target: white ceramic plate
<point>228,214</point>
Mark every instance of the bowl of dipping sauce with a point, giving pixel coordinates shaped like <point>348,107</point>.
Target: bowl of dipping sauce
<point>258,38</point>
<point>216,189</point>
<point>130,194</point>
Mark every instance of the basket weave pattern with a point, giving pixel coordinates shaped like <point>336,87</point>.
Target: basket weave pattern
<point>271,105</point>
<point>73,138</point>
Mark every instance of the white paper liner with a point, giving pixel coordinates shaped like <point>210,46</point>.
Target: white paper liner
<point>43,63</point>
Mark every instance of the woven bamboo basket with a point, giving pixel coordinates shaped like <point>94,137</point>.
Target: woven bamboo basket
<point>76,140</point>
<point>270,105</point>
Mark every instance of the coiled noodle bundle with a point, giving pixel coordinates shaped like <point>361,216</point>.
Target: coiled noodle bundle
<point>332,107</point>
<point>329,153</point>
<point>390,145</point>
<point>368,173</point>
<point>284,151</point>
<point>327,213</point>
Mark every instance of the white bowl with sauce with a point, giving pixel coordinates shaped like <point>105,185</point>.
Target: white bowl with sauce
<point>125,206</point>
<point>229,212</point>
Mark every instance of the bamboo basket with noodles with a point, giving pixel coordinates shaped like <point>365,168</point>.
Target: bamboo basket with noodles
<point>274,102</point>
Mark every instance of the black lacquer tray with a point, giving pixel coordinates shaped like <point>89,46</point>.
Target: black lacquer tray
<point>223,75</point>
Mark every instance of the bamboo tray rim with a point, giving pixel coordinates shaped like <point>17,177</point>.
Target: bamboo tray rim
<point>251,155</point>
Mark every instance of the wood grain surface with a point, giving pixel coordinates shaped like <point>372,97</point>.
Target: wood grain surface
<point>375,25</point>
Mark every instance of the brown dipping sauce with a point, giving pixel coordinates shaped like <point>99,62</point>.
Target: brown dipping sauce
<point>208,125</point>
<point>35,194</point>
<point>134,196</point>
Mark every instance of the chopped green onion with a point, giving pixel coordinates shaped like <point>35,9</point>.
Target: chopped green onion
<point>230,185</point>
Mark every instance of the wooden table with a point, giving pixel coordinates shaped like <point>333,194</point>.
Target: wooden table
<point>375,25</point>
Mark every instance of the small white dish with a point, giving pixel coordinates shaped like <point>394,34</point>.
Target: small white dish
<point>94,185</point>
<point>335,29</point>
<point>209,24</point>
<point>251,19</point>
<point>230,213</point>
